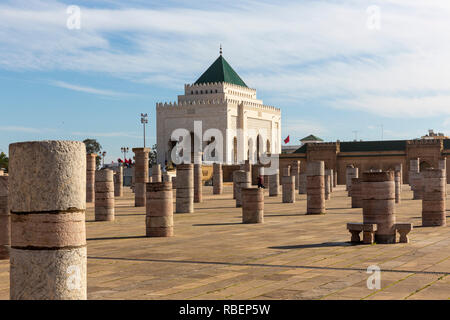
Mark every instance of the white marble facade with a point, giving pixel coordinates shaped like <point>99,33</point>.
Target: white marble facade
<point>224,106</point>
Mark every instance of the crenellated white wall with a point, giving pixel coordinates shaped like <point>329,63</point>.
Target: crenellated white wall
<point>221,106</point>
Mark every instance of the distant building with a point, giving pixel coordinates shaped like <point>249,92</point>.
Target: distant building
<point>367,155</point>
<point>431,135</point>
<point>311,139</point>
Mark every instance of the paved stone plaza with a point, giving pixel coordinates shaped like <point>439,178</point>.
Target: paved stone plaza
<point>291,256</point>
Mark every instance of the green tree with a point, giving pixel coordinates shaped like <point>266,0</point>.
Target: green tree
<point>92,146</point>
<point>4,161</point>
<point>152,156</point>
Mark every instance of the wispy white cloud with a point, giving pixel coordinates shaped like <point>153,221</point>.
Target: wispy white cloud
<point>84,89</point>
<point>294,50</point>
<point>107,134</point>
<point>25,129</point>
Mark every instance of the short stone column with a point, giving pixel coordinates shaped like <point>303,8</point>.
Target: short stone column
<point>288,186</point>
<point>331,177</point>
<point>327,185</point>
<point>118,182</point>
<point>185,188</point>
<point>398,186</point>
<point>243,179</point>
<point>379,204</point>
<point>417,185</point>
<point>274,184</point>
<point>159,210</point>
<point>347,177</point>
<point>234,184</point>
<point>156,173</point>
<point>5,219</point>
<point>91,166</point>
<point>295,172</point>
<point>352,172</point>
<point>167,178</point>
<point>414,167</point>
<point>2,172</point>
<point>104,195</point>
<point>133,181</point>
<point>356,193</point>
<point>434,202</point>
<point>217,178</point>
<point>443,165</point>
<point>47,185</point>
<point>252,205</point>
<point>399,167</point>
<point>198,188</point>
<point>246,166</point>
<point>302,183</point>
<point>335,179</point>
<point>140,175</point>
<point>315,187</point>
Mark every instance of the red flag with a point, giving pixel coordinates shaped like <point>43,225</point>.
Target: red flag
<point>286,140</point>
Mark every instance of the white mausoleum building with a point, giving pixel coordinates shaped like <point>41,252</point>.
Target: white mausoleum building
<point>220,99</point>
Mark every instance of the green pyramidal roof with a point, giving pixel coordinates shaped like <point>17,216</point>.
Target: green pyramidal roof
<point>221,71</point>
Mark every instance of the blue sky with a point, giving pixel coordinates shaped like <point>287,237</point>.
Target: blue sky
<point>318,61</point>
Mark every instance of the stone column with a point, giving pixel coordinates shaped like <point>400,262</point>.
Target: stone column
<point>118,182</point>
<point>234,184</point>
<point>274,184</point>
<point>295,172</point>
<point>315,187</point>
<point>174,182</point>
<point>140,175</point>
<point>91,166</point>
<point>331,177</point>
<point>247,166</point>
<point>443,165</point>
<point>302,183</point>
<point>198,190</point>
<point>288,186</point>
<point>414,167</point>
<point>327,185</point>
<point>2,172</point>
<point>356,193</point>
<point>335,179</point>
<point>252,205</point>
<point>243,179</point>
<point>417,185</point>
<point>159,210</point>
<point>167,178</point>
<point>185,188</point>
<point>133,181</point>
<point>434,202</point>
<point>5,219</point>
<point>47,185</point>
<point>104,195</point>
<point>399,167</point>
<point>379,204</point>
<point>351,173</point>
<point>347,177</point>
<point>156,173</point>
<point>217,178</point>
<point>398,186</point>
